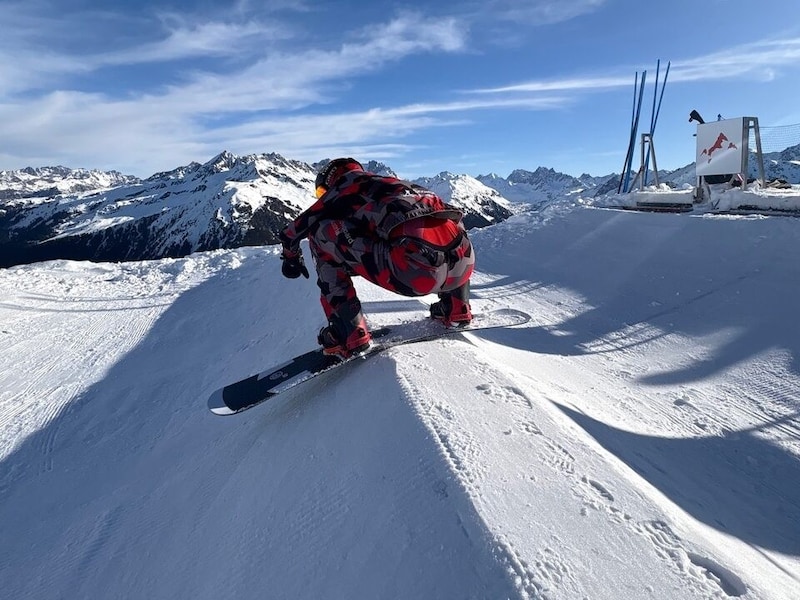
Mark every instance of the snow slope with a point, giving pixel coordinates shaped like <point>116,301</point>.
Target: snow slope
<point>639,439</point>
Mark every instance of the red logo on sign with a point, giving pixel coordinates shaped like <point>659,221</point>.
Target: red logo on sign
<point>721,139</point>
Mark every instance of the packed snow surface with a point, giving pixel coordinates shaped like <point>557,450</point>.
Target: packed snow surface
<point>638,439</point>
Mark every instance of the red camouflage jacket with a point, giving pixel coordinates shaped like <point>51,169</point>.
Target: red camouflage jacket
<point>374,206</point>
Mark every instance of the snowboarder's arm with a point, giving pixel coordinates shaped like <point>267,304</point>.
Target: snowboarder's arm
<point>330,206</point>
<point>300,228</point>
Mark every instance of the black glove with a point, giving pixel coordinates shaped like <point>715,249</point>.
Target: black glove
<point>293,264</point>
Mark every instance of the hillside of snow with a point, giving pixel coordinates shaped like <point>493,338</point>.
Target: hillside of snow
<point>638,439</point>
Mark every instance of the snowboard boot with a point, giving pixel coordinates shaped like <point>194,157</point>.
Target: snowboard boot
<point>345,335</point>
<point>453,307</point>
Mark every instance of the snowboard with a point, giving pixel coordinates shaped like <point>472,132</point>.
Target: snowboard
<point>247,393</point>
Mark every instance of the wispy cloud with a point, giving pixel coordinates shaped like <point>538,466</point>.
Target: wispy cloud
<point>759,60</point>
<point>560,85</point>
<point>188,40</point>
<point>35,51</point>
<point>541,12</point>
<point>301,134</point>
<point>292,80</point>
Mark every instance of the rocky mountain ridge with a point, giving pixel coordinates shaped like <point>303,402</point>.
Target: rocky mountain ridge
<point>227,202</point>
<point>230,201</point>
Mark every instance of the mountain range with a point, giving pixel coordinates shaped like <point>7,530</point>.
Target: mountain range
<point>233,201</point>
<point>227,202</point>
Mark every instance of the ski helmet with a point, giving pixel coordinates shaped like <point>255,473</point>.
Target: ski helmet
<point>330,173</point>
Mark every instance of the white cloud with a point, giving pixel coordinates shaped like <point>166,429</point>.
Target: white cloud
<point>759,60</point>
<point>560,85</point>
<point>291,80</point>
<point>542,12</point>
<point>740,62</point>
<point>213,39</point>
<point>38,50</point>
<point>307,134</point>
<point>415,31</point>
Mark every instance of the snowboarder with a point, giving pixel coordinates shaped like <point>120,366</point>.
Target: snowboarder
<point>398,235</point>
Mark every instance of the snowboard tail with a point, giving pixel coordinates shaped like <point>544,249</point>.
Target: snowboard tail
<point>249,392</point>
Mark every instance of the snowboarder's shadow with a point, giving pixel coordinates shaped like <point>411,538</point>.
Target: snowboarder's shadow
<point>135,465</point>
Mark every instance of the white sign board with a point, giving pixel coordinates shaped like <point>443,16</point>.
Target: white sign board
<point>719,147</point>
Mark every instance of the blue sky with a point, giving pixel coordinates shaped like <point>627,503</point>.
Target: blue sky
<point>467,87</point>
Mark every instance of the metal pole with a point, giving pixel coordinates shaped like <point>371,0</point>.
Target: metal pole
<point>635,128</point>
<point>758,151</point>
<point>652,122</point>
<point>630,141</point>
<point>653,153</point>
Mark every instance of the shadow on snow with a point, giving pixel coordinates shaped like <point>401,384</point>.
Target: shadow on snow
<point>740,484</point>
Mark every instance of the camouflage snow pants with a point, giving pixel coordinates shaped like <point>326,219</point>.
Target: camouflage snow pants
<point>406,266</point>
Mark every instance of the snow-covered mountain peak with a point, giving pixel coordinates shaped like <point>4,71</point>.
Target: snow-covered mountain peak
<point>467,192</point>
<point>45,182</point>
<point>541,177</point>
<point>224,161</point>
<point>533,187</point>
<point>230,166</point>
<point>379,168</point>
<point>447,185</point>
